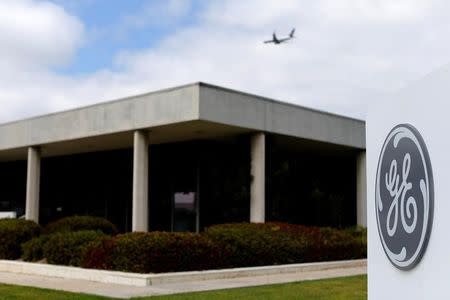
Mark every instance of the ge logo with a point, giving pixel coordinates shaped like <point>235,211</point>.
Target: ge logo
<point>404,197</point>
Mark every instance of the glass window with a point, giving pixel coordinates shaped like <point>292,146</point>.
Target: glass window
<point>184,211</point>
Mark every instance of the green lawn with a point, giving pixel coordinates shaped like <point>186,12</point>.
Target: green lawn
<point>350,288</point>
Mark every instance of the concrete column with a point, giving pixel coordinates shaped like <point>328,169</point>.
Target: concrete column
<point>33,182</point>
<point>140,181</point>
<point>258,173</point>
<point>361,189</point>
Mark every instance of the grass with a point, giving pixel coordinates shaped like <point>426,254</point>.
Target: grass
<point>349,288</point>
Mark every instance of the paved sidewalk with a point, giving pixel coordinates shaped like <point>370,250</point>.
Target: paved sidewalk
<point>125,292</point>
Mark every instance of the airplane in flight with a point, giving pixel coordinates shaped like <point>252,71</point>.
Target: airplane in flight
<point>277,41</point>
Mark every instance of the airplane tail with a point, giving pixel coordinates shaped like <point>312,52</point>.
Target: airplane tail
<point>291,35</point>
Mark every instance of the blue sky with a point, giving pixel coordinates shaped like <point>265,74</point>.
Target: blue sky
<point>347,54</point>
<point>110,28</point>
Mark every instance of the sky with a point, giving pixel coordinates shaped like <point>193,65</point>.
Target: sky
<point>347,54</point>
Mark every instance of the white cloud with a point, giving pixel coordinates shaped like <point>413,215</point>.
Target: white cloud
<point>34,37</point>
<point>37,34</point>
<point>346,54</point>
<point>379,11</point>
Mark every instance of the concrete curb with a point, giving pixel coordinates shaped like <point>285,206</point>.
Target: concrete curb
<point>143,280</point>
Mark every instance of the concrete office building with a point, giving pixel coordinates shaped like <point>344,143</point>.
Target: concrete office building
<point>185,158</point>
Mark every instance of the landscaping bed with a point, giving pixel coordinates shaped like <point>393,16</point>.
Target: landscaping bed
<point>91,242</point>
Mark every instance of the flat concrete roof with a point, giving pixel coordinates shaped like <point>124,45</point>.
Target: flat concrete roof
<point>191,111</point>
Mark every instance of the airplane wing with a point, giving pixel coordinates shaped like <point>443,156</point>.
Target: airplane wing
<point>283,40</point>
<point>270,41</point>
<point>291,35</point>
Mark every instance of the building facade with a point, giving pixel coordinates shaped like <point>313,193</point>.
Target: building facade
<point>185,158</point>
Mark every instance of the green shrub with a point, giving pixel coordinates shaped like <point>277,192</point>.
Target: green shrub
<point>258,244</point>
<point>69,248</point>
<point>227,245</point>
<point>60,233</point>
<point>360,233</point>
<point>220,246</point>
<point>14,232</point>
<point>33,249</point>
<point>279,243</point>
<point>155,252</point>
<point>81,223</point>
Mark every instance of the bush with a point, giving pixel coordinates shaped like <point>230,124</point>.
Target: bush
<point>220,246</point>
<point>227,245</point>
<point>14,232</point>
<point>33,249</point>
<point>258,244</point>
<point>99,254</point>
<point>81,223</point>
<point>69,248</point>
<point>156,252</point>
<point>333,244</point>
<point>360,233</point>
<point>279,243</point>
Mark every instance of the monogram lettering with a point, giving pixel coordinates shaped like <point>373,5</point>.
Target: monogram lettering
<point>399,192</point>
<point>404,196</point>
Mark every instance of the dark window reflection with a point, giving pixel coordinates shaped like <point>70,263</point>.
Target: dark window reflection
<point>13,187</point>
<point>311,184</point>
<point>199,183</point>
<point>97,184</point>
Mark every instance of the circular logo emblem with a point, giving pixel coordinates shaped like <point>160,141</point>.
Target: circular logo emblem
<point>404,196</point>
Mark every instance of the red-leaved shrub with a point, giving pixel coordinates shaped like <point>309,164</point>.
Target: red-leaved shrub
<point>155,252</point>
<point>279,243</point>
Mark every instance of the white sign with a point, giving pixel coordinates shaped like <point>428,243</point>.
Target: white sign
<point>8,215</point>
<point>404,196</point>
<point>408,186</point>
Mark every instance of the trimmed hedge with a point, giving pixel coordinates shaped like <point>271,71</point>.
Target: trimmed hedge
<point>14,232</point>
<point>99,254</point>
<point>69,248</point>
<point>156,252</point>
<point>332,244</point>
<point>33,249</point>
<point>81,223</point>
<point>261,244</point>
<point>279,243</point>
<point>220,246</point>
<point>227,245</point>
